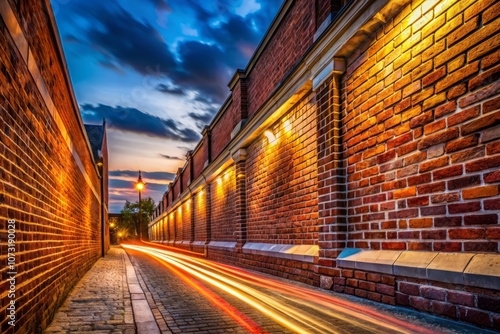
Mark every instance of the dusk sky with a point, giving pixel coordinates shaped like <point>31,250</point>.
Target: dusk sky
<point>157,71</point>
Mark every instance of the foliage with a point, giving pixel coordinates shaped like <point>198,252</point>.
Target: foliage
<point>129,220</point>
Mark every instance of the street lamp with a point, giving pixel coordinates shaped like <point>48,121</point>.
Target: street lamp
<point>140,186</point>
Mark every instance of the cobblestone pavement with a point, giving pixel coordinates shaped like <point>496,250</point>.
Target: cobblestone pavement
<point>189,295</point>
<point>100,302</point>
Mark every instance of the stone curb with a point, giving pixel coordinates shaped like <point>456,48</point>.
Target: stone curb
<point>143,315</point>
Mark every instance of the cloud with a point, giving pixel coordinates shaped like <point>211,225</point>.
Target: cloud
<point>147,175</point>
<point>168,157</point>
<point>201,119</point>
<point>111,66</point>
<point>119,36</point>
<point>169,89</point>
<point>133,120</point>
<point>202,70</point>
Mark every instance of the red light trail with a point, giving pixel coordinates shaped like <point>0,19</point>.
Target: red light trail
<point>301,310</point>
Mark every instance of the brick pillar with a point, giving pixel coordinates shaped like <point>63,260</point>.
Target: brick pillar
<point>193,220</point>
<point>208,212</point>
<point>331,168</point>
<point>241,198</point>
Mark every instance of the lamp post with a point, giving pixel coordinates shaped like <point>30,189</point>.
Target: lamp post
<point>140,186</point>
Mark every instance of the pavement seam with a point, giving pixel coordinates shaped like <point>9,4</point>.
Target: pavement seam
<point>143,314</point>
<point>165,329</point>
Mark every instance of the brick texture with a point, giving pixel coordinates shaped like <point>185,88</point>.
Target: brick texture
<point>43,188</point>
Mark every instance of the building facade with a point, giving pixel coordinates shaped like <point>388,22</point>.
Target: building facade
<point>358,151</point>
<point>53,191</point>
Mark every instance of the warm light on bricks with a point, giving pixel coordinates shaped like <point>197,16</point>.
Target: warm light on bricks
<point>270,137</point>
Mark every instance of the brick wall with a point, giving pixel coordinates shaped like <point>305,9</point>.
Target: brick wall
<point>288,45</point>
<point>199,158</point>
<point>43,186</point>
<point>421,131</point>
<point>395,147</point>
<point>223,206</point>
<point>282,180</point>
<point>200,216</point>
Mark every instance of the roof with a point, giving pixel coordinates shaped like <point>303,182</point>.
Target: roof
<point>95,133</point>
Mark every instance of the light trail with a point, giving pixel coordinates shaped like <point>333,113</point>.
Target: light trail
<point>301,310</point>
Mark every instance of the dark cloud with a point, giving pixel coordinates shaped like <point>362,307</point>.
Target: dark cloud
<point>119,36</point>
<point>111,66</point>
<point>201,119</point>
<point>202,70</point>
<point>133,120</point>
<point>168,89</point>
<point>145,175</point>
<point>169,157</point>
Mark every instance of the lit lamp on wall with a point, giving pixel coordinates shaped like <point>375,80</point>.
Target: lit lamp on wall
<point>140,186</point>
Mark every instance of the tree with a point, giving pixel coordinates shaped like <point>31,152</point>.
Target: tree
<point>129,221</point>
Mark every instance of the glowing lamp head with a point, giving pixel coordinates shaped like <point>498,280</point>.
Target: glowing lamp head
<point>140,184</point>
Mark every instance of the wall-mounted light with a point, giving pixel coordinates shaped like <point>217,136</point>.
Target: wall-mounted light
<point>287,125</point>
<point>270,136</point>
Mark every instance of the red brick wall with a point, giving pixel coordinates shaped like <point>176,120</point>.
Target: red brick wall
<point>200,216</point>
<point>171,226</point>
<point>282,180</point>
<point>221,131</point>
<point>186,176</point>
<point>178,224</point>
<point>223,206</point>
<point>186,220</point>
<point>421,131</point>
<point>288,45</point>
<point>199,158</point>
<point>177,188</point>
<point>57,215</point>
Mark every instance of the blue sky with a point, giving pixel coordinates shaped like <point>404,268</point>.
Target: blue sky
<point>157,70</point>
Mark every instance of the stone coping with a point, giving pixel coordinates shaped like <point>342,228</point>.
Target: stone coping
<point>473,269</point>
<point>304,253</point>
<point>222,245</point>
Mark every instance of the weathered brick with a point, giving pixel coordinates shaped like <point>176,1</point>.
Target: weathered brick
<point>475,316</point>
<point>461,143</point>
<point>438,138</point>
<point>460,298</point>
<point>485,78</point>
<point>447,221</point>
<point>464,207</point>
<point>466,233</point>
<point>481,219</point>
<point>420,303</point>
<point>480,95</point>
<point>444,309</point>
<point>464,182</point>
<point>433,164</point>
<point>457,76</point>
<point>443,198</point>
<point>467,155</point>
<point>479,192</point>
<point>463,116</point>
<point>421,223</point>
<point>431,292</point>
<point>492,177</point>
<point>482,164</point>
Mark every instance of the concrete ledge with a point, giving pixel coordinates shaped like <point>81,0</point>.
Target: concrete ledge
<point>222,245</point>
<point>143,315</point>
<point>479,270</point>
<point>304,253</point>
